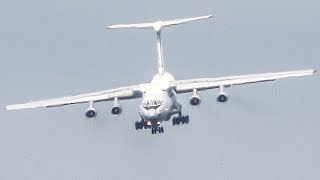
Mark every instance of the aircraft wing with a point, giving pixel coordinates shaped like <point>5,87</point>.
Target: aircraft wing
<point>182,86</point>
<point>129,92</point>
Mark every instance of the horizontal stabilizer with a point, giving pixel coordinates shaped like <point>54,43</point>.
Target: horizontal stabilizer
<point>158,25</point>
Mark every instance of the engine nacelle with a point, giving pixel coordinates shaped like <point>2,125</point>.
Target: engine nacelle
<point>222,97</point>
<point>195,100</point>
<point>91,113</point>
<point>116,110</point>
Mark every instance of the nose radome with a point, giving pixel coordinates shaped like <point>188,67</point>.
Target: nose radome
<point>152,112</point>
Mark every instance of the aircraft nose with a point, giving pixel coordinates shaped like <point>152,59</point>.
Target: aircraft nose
<point>151,112</point>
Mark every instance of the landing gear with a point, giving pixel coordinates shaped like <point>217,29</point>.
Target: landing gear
<point>139,125</point>
<point>155,127</point>
<point>153,130</point>
<point>142,125</point>
<point>180,119</point>
<point>159,129</point>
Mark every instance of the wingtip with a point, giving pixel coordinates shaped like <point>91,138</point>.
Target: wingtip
<point>10,108</point>
<point>109,27</point>
<point>207,16</point>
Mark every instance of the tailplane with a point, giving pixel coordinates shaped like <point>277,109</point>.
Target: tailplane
<point>157,27</point>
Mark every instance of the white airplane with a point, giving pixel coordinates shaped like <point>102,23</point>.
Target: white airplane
<point>159,96</point>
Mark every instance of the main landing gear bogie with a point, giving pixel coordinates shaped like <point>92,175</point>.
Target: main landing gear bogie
<point>140,125</point>
<point>180,120</point>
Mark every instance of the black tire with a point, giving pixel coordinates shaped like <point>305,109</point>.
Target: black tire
<point>187,120</point>
<point>145,126</point>
<point>137,125</point>
<point>173,121</point>
<point>179,120</point>
<point>154,130</point>
<point>140,125</point>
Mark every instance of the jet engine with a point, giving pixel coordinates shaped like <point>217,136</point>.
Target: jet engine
<point>91,113</point>
<point>222,97</point>
<point>116,110</point>
<point>195,100</point>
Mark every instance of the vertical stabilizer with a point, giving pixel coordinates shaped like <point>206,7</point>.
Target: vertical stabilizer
<point>157,27</point>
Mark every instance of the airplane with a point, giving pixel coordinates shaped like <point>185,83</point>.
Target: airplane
<point>159,103</point>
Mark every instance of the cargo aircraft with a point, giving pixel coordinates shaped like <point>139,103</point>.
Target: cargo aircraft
<point>159,103</point>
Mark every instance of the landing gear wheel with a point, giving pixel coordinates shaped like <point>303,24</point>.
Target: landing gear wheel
<point>185,120</point>
<point>138,125</point>
<point>181,119</point>
<point>174,121</point>
<point>153,130</point>
<point>145,126</point>
<point>161,130</point>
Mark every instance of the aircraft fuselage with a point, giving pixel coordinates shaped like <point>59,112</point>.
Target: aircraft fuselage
<point>159,100</point>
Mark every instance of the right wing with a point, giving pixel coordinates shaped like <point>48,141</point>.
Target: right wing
<point>182,86</point>
<point>129,92</point>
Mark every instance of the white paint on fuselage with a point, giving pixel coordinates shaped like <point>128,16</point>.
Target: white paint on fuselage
<point>159,100</point>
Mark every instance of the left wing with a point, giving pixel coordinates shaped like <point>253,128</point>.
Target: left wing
<point>182,86</point>
<point>129,92</point>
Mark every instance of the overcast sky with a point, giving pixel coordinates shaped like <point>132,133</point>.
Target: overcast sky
<point>55,48</point>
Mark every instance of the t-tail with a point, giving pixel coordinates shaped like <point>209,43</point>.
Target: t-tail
<point>157,27</point>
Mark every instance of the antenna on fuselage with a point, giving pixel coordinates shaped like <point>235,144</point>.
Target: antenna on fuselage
<point>157,27</point>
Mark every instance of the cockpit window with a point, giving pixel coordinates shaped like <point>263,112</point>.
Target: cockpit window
<point>152,104</point>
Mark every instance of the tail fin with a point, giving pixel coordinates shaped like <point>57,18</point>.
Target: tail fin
<point>157,26</point>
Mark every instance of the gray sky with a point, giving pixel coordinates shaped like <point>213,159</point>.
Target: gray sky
<point>56,48</point>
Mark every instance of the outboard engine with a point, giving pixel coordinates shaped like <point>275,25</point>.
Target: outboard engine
<point>91,113</point>
<point>222,97</point>
<point>195,100</point>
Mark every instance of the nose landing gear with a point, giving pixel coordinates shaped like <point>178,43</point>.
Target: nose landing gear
<point>159,129</point>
